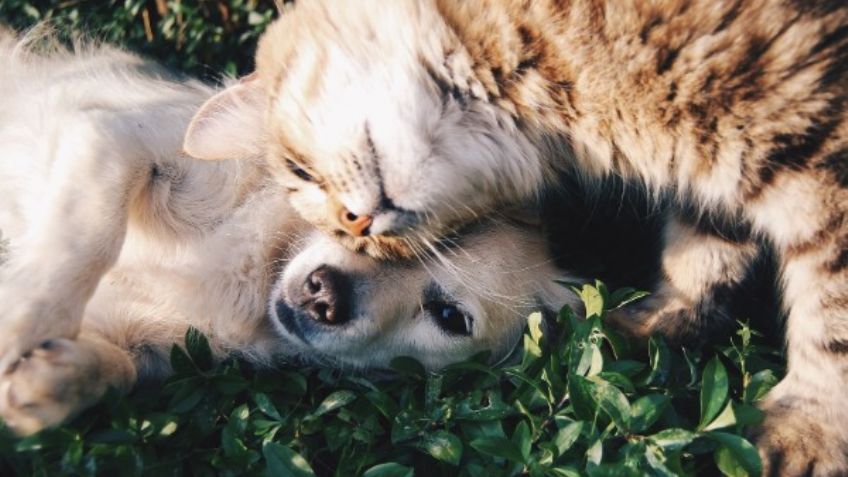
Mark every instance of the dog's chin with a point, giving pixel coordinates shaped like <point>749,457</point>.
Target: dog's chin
<point>291,321</point>
<point>298,338</point>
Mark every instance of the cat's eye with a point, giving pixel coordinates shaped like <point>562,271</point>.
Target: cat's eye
<point>450,318</point>
<point>299,171</point>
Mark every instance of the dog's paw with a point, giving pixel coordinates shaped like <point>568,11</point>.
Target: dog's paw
<point>49,384</point>
<point>28,321</point>
<point>800,438</point>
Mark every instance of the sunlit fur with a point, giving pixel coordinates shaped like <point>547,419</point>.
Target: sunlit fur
<point>426,114</point>
<point>118,243</point>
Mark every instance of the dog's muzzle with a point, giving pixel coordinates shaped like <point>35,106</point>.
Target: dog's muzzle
<point>325,296</point>
<point>323,301</point>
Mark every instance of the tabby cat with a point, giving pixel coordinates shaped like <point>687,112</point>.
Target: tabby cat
<point>393,123</point>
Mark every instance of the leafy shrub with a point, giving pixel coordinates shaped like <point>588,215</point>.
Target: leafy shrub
<point>576,401</point>
<point>203,38</point>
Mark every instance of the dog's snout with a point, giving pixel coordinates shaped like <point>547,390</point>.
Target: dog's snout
<point>326,296</point>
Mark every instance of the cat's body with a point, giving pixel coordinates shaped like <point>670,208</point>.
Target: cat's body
<point>392,123</point>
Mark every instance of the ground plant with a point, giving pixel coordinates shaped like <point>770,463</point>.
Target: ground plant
<point>574,399</point>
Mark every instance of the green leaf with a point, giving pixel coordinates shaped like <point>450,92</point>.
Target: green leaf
<point>597,361</point>
<point>334,401</point>
<point>612,470</point>
<point>198,348</point>
<point>534,325</point>
<point>646,410</point>
<point>499,447</point>
<point>759,385</point>
<point>383,403</point>
<point>407,425</point>
<point>726,418</point>
<point>239,417</point>
<point>188,396</point>
<point>432,389</point>
<point>408,366</point>
<point>627,367</point>
<point>714,389</point>
<point>673,439</point>
<point>283,461</point>
<point>742,451</point>
<point>593,300</point>
<point>614,403</point>
<point>727,463</point>
<point>230,383</point>
<point>521,437</point>
<point>389,469</point>
<point>660,361</point>
<point>492,407</point>
<point>233,445</point>
<point>565,471</point>
<point>181,362</point>
<point>657,461</point>
<point>618,380</point>
<point>580,391</point>
<point>263,402</point>
<point>595,453</point>
<point>567,436</point>
<point>747,415</point>
<point>443,446</point>
<point>623,296</point>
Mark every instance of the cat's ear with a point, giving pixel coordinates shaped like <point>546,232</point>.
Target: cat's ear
<point>230,124</point>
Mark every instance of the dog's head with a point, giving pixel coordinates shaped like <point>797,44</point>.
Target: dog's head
<point>345,309</point>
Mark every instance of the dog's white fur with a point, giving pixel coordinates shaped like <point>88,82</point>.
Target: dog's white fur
<point>116,243</point>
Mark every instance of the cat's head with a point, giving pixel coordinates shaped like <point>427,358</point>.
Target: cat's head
<point>374,123</point>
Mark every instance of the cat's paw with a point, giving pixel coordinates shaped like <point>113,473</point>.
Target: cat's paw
<point>799,437</point>
<point>678,319</point>
<point>49,384</point>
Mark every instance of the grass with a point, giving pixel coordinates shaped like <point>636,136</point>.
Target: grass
<point>578,401</point>
<point>581,401</point>
<point>202,38</point>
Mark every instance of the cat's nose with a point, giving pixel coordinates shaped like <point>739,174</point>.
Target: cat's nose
<point>326,296</point>
<point>356,225</point>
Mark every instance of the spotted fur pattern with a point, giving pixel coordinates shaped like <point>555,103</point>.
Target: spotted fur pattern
<point>426,114</point>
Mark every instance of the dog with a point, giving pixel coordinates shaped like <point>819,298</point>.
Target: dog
<point>114,243</point>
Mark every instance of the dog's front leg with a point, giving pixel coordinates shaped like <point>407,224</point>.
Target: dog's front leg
<point>60,378</point>
<point>73,235</point>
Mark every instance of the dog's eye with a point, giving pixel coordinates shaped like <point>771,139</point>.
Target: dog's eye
<point>298,171</point>
<point>450,318</point>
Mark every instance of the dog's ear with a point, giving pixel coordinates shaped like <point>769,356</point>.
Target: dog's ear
<point>230,124</point>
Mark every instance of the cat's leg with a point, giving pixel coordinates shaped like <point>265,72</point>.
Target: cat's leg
<point>59,379</point>
<point>701,266</point>
<point>806,427</point>
<point>74,233</point>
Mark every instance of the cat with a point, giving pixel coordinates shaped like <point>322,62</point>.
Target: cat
<point>393,123</point>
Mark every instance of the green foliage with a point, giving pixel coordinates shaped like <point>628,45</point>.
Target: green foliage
<point>203,38</point>
<point>581,401</point>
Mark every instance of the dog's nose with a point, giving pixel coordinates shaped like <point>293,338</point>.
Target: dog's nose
<point>356,225</point>
<point>326,296</point>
